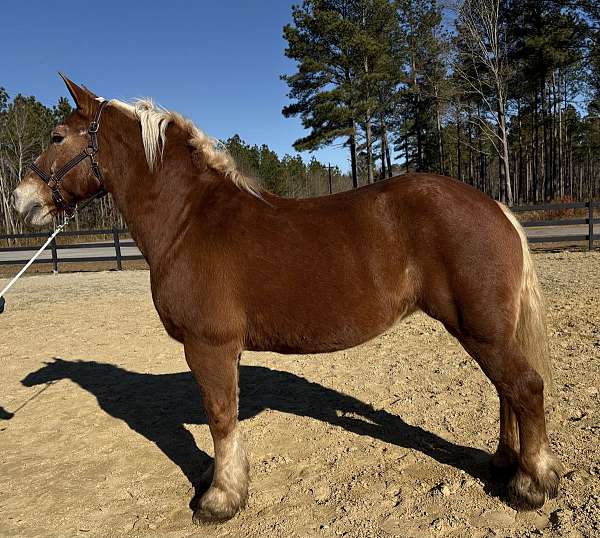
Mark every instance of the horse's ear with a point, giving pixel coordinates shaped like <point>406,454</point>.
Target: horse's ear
<point>84,98</point>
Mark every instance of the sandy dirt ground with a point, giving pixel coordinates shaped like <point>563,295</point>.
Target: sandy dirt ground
<point>102,431</point>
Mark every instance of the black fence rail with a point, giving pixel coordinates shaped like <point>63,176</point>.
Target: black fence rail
<point>589,220</point>
<point>113,250</point>
<point>55,249</point>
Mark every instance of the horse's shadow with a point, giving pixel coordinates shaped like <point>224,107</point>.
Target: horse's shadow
<point>158,405</point>
<point>4,414</point>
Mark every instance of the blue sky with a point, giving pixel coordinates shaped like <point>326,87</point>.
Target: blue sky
<point>216,62</point>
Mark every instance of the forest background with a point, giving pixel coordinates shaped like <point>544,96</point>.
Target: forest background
<point>503,95</point>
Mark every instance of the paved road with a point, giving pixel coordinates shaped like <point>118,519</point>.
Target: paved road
<point>541,231</point>
<point>65,254</point>
<point>550,231</point>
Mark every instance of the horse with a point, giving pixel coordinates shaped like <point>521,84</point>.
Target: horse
<point>234,268</point>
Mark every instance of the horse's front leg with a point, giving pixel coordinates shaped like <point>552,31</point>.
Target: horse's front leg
<point>216,371</point>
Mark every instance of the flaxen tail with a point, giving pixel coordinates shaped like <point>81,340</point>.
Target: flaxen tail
<point>532,334</point>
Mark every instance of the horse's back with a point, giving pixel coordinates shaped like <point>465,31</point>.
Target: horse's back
<point>335,271</point>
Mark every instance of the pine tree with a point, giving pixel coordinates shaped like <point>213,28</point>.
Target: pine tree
<point>345,74</point>
<point>322,90</point>
<point>420,52</point>
<point>61,110</point>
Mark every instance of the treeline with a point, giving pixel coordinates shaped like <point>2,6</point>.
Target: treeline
<point>502,94</point>
<point>289,176</point>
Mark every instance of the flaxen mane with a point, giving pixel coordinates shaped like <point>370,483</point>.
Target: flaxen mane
<point>154,121</point>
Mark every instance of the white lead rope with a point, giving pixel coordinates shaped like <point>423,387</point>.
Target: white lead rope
<point>33,258</point>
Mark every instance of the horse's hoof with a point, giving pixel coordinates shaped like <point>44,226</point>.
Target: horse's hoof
<point>202,515</point>
<point>217,506</point>
<point>527,493</point>
<point>524,493</point>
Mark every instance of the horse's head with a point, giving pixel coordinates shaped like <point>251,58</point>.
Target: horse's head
<point>51,372</point>
<point>33,198</point>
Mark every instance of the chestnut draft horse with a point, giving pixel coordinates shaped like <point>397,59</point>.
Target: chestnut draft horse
<point>235,268</point>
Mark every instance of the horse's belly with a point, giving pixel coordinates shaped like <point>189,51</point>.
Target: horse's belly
<point>324,335</point>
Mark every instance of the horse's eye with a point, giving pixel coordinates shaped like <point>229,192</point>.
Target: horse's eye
<point>56,138</point>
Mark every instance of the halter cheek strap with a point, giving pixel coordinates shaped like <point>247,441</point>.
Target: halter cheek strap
<point>54,178</point>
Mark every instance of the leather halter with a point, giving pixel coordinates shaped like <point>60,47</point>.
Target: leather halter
<point>54,178</point>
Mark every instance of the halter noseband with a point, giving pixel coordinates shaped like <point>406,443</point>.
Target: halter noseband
<point>54,178</point>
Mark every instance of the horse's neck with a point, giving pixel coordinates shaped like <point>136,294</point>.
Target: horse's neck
<point>154,205</point>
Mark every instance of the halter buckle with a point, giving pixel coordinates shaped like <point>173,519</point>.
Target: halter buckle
<point>94,126</point>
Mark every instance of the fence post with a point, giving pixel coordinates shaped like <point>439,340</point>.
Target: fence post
<point>117,249</point>
<point>590,225</point>
<point>54,256</point>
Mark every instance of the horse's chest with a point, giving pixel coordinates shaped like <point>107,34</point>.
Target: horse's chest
<point>194,308</point>
<point>170,306</point>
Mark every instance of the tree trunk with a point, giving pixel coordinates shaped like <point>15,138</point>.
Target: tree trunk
<point>352,144</point>
<point>458,145</point>
<point>523,187</point>
<point>406,155</point>
<point>481,155</point>
<point>417,111</point>
<point>544,153</point>
<point>418,133</point>
<point>388,158</point>
<point>535,142</point>
<point>369,138</point>
<point>561,171</point>
<point>504,157</point>
<point>386,161</point>
<point>470,171</point>
<point>440,141</point>
<point>382,143</point>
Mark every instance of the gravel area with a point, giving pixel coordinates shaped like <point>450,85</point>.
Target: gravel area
<point>102,430</point>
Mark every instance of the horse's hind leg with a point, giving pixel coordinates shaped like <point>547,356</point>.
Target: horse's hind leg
<point>522,388</point>
<point>216,371</point>
<point>506,459</point>
<point>539,472</point>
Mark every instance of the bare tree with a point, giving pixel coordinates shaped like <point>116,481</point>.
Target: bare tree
<point>482,65</point>
<point>22,135</point>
